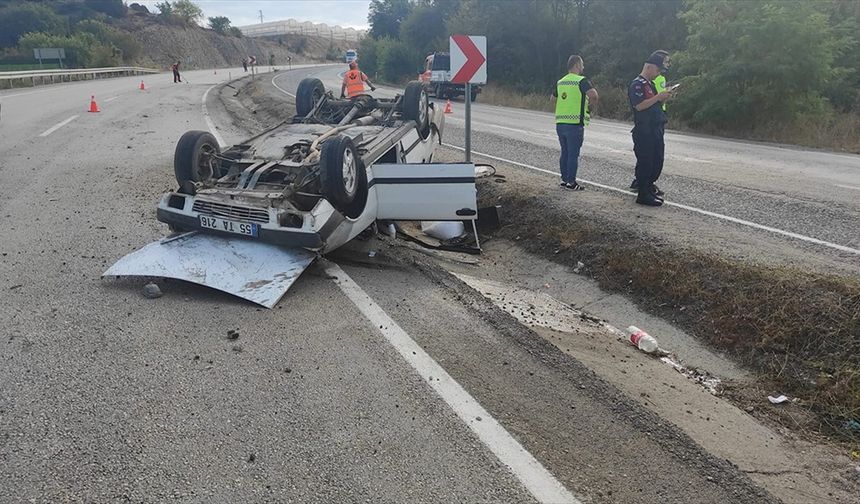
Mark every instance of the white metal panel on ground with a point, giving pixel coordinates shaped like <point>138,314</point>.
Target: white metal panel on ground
<point>256,271</point>
<point>425,191</point>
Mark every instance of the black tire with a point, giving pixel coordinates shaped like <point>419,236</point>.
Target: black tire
<point>195,160</point>
<point>474,95</point>
<point>342,174</point>
<point>416,106</point>
<point>309,92</point>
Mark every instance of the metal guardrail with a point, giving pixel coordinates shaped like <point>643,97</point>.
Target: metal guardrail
<point>39,77</point>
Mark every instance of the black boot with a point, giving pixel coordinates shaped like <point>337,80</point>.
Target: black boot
<point>646,198</point>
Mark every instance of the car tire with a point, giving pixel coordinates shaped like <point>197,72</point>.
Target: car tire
<point>416,106</point>
<point>309,92</point>
<point>196,160</point>
<point>342,174</point>
<point>474,95</point>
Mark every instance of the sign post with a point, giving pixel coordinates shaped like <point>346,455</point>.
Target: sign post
<point>468,66</point>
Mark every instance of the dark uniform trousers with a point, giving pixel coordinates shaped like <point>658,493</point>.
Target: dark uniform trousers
<point>649,147</point>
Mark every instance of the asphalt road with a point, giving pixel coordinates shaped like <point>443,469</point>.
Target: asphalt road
<point>376,380</point>
<point>806,196</point>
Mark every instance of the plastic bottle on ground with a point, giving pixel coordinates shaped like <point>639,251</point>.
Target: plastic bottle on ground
<point>642,340</point>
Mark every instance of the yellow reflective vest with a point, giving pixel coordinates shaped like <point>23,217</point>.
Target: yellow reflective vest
<point>571,107</point>
<point>660,85</point>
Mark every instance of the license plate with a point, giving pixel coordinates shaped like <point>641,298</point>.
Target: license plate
<point>228,226</point>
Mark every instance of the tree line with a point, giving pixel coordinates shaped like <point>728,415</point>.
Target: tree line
<point>743,64</point>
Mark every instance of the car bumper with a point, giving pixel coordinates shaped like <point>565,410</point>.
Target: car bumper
<point>282,236</point>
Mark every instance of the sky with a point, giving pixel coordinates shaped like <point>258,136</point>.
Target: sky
<point>346,13</point>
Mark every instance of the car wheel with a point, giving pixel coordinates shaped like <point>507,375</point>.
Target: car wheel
<point>416,106</point>
<point>309,92</point>
<point>196,160</point>
<point>342,173</point>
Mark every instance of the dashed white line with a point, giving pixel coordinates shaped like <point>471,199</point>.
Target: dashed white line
<point>111,99</point>
<point>532,474</point>
<point>57,126</point>
<point>789,234</point>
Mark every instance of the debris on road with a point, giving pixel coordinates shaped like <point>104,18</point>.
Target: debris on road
<point>151,291</point>
<point>443,230</point>
<point>372,253</point>
<point>233,334</point>
<point>777,399</point>
<point>578,268</point>
<point>642,340</point>
<point>711,383</point>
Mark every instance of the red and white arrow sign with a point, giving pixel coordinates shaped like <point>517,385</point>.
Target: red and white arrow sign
<point>468,59</point>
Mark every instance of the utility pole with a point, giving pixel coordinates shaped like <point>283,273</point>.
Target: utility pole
<point>261,17</point>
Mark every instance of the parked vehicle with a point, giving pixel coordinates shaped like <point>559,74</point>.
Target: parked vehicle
<point>436,77</point>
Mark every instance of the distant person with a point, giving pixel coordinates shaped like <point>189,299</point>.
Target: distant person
<point>353,82</point>
<point>175,68</point>
<point>573,96</point>
<point>245,64</point>
<point>649,125</point>
<point>660,85</point>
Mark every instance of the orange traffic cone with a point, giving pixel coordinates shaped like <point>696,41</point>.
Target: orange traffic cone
<point>142,87</point>
<point>93,106</point>
<point>448,109</point>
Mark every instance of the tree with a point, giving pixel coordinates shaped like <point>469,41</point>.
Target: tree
<point>385,16</point>
<point>236,32</point>
<point>424,29</point>
<point>188,11</point>
<point>165,9</point>
<point>220,24</point>
<point>26,17</point>
<point>756,63</point>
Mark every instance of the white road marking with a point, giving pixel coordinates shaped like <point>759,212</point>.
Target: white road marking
<point>209,123</point>
<point>549,135</point>
<point>279,87</point>
<point>57,126</point>
<point>532,474</point>
<point>848,186</point>
<point>111,98</point>
<point>797,236</point>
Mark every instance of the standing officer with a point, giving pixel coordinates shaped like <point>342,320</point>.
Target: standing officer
<point>650,122</point>
<point>353,81</point>
<point>175,68</point>
<point>573,93</point>
<point>660,86</point>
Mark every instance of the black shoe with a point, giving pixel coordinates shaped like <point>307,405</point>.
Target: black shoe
<point>634,186</point>
<point>648,200</point>
<point>574,187</point>
<point>563,184</point>
<point>656,191</point>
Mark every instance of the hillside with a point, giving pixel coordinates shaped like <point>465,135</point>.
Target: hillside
<point>203,48</point>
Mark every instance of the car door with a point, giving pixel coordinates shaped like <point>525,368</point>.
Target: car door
<point>429,191</point>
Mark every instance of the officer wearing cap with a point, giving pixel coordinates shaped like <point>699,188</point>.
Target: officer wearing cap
<point>660,85</point>
<point>650,123</point>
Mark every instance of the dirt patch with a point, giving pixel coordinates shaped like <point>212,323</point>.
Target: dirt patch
<point>799,330</point>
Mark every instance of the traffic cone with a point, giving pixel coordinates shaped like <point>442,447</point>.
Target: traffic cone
<point>93,106</point>
<point>142,87</point>
<point>448,109</point>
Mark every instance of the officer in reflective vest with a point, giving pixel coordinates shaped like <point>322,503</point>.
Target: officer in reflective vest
<point>353,82</point>
<point>573,96</point>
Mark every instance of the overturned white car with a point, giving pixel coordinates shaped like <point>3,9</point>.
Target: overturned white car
<point>303,187</point>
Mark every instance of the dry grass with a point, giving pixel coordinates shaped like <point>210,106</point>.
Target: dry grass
<point>800,331</point>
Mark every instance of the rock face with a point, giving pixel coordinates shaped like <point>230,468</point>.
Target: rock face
<point>203,48</point>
